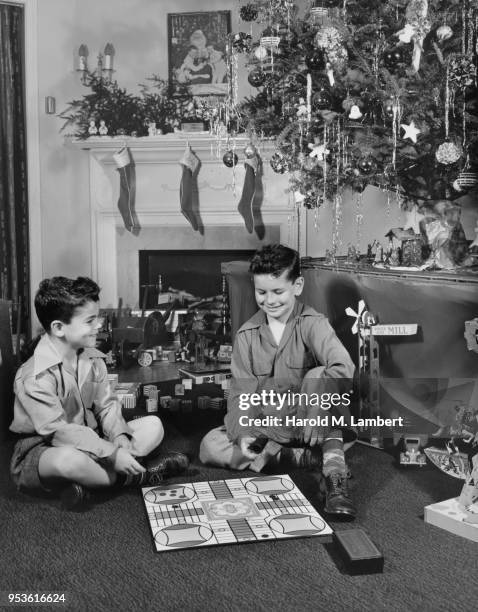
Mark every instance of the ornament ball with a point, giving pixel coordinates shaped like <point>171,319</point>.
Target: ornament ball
<point>322,100</point>
<point>443,33</point>
<point>366,165</point>
<point>315,60</point>
<point>230,159</point>
<point>256,77</point>
<point>393,57</point>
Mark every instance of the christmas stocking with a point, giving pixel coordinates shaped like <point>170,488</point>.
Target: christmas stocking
<point>245,206</point>
<point>188,191</point>
<point>127,188</point>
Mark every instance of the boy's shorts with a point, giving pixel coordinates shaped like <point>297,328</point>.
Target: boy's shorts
<point>24,463</point>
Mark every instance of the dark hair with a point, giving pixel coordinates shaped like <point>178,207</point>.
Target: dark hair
<point>58,297</point>
<point>274,259</point>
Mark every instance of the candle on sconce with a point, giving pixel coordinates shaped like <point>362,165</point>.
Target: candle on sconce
<point>109,52</point>
<point>82,56</point>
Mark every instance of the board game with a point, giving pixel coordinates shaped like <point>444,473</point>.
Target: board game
<point>231,511</point>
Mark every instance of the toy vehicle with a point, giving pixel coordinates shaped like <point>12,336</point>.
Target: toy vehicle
<point>412,454</point>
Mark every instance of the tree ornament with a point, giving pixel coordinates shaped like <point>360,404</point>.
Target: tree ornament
<point>366,165</point>
<point>319,151</point>
<point>322,100</point>
<point>241,42</point>
<point>318,14</point>
<point>315,61</point>
<point>461,71</point>
<point>270,39</point>
<point>410,131</point>
<point>256,77</point>
<point>250,151</point>
<point>443,33</point>
<point>261,53</point>
<point>355,112</point>
<point>302,111</point>
<point>309,164</point>
<point>288,36</point>
<point>248,12</point>
<point>279,163</point>
<point>389,108</point>
<point>330,40</point>
<point>465,181</point>
<point>416,28</point>
<point>230,159</point>
<point>392,57</point>
<point>448,153</point>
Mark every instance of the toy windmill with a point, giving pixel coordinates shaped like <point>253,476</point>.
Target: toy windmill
<point>366,328</point>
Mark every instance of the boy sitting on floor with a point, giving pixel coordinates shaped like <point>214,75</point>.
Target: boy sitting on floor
<point>70,428</point>
<point>286,346</point>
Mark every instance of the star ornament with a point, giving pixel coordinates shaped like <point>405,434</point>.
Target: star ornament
<point>410,131</point>
<point>318,150</point>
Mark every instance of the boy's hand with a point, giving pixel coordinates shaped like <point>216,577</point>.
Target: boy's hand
<point>125,463</point>
<point>122,441</point>
<point>312,435</point>
<point>244,444</point>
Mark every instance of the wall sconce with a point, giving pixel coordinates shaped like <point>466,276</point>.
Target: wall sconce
<point>50,105</point>
<point>104,66</point>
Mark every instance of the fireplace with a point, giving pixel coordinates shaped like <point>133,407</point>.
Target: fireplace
<point>115,252</point>
<point>196,271</point>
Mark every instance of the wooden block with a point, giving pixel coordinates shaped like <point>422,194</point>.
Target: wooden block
<point>360,554</point>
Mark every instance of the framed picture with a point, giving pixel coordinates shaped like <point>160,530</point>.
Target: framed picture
<point>197,53</point>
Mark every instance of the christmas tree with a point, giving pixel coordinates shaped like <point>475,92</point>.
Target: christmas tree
<point>360,92</point>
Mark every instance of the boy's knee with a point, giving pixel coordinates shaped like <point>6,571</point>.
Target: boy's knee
<point>206,448</point>
<point>154,425</point>
<point>70,462</point>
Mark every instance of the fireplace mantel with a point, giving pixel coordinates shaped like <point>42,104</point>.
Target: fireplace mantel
<point>158,176</point>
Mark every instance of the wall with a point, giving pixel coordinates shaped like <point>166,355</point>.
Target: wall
<point>137,29</point>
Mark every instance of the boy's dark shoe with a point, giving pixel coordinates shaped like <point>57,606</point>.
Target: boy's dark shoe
<point>74,497</point>
<point>165,466</point>
<point>337,499</point>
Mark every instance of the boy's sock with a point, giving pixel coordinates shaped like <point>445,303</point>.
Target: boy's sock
<point>310,458</point>
<point>334,469</point>
<point>333,454</point>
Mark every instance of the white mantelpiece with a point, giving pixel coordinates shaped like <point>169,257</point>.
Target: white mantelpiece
<point>158,175</point>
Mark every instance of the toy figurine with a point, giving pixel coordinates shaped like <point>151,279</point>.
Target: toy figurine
<point>379,253</point>
<point>302,109</point>
<point>394,257</point>
<point>152,131</point>
<point>103,130</point>
<point>92,130</point>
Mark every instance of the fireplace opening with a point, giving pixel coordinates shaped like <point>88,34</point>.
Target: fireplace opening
<point>196,271</point>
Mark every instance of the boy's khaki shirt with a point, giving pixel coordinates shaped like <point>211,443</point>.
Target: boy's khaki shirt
<point>64,408</point>
<point>308,343</point>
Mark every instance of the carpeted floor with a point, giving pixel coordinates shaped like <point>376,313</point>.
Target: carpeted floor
<point>103,558</point>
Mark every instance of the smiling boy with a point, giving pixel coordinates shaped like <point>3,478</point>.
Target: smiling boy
<point>286,347</point>
<point>70,430</point>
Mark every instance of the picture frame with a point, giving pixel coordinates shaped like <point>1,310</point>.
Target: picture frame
<point>197,53</point>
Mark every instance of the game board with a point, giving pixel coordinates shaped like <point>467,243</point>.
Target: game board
<point>230,512</point>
